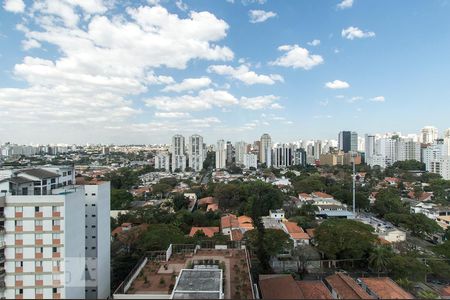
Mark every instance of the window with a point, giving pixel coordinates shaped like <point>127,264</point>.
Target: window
<point>37,209</point>
<point>39,291</point>
<point>69,172</point>
<point>94,216</point>
<point>56,263</point>
<point>44,182</point>
<point>55,208</point>
<point>64,173</point>
<point>55,290</point>
<point>93,248</point>
<point>93,204</point>
<point>56,236</point>
<point>19,250</point>
<point>25,191</point>
<point>39,250</point>
<point>19,264</point>
<point>55,249</point>
<point>19,291</point>
<point>93,194</point>
<point>19,278</point>
<point>53,180</point>
<point>93,236</point>
<point>56,222</point>
<point>19,236</point>
<point>19,209</point>
<point>38,223</point>
<point>18,223</point>
<point>39,264</point>
<point>93,226</point>
<point>39,236</point>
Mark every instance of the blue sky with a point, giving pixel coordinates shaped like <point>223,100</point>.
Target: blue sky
<point>138,72</point>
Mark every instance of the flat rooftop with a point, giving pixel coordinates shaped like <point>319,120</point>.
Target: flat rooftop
<point>198,283</point>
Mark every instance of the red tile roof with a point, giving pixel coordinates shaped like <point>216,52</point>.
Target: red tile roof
<point>208,231</point>
<point>236,235</point>
<point>229,221</point>
<point>279,287</point>
<point>314,290</point>
<point>295,231</point>
<point>322,195</point>
<point>386,288</point>
<point>346,287</point>
<point>445,291</point>
<point>425,196</point>
<point>311,232</point>
<point>212,207</point>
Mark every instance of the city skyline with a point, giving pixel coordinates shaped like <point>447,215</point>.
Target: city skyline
<point>150,79</point>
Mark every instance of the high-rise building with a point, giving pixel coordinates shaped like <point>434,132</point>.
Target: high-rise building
<point>250,160</point>
<point>221,154</point>
<point>265,151</point>
<point>369,146</point>
<point>283,155</point>
<point>178,153</point>
<point>162,161</point>
<point>447,142</point>
<point>317,149</point>
<point>300,157</point>
<point>230,153</point>
<point>348,141</point>
<point>196,152</point>
<point>240,150</point>
<point>56,238</point>
<point>428,134</point>
<point>408,150</point>
<point>432,154</point>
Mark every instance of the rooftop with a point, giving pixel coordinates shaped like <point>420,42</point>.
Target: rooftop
<point>199,284</point>
<point>314,290</point>
<point>385,288</point>
<point>346,287</point>
<point>39,173</point>
<point>279,286</point>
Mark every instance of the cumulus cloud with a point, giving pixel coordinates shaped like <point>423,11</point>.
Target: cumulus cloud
<point>260,102</point>
<point>297,57</point>
<point>243,73</point>
<point>378,99</point>
<point>345,4</point>
<point>258,16</point>
<point>15,6</point>
<point>352,33</point>
<point>337,84</point>
<point>104,60</point>
<point>204,100</point>
<point>172,115</point>
<point>314,43</point>
<point>188,84</point>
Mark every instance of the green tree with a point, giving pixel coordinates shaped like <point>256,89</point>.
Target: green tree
<point>422,226</point>
<point>342,239</point>
<point>161,189</point>
<point>275,241</point>
<point>379,258</point>
<point>120,199</point>
<point>443,249</point>
<point>160,236</point>
<point>180,201</point>
<point>407,267</point>
<point>428,295</point>
<point>388,201</point>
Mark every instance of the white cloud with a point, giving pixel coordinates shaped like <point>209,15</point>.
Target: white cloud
<point>204,100</point>
<point>188,84</point>
<point>244,74</point>
<point>297,57</point>
<point>314,43</point>
<point>15,6</point>
<point>260,102</point>
<point>352,33</point>
<point>354,99</point>
<point>101,63</point>
<point>30,44</point>
<point>258,16</point>
<point>337,84</point>
<point>181,5</point>
<point>378,99</point>
<point>345,4</point>
<point>172,115</point>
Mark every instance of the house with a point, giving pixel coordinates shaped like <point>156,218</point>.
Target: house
<point>392,181</point>
<point>443,221</point>
<point>279,286</point>
<point>343,286</point>
<point>383,288</point>
<point>445,292</point>
<point>305,197</point>
<point>312,234</point>
<point>277,214</point>
<point>320,195</point>
<point>430,210</point>
<point>208,231</point>
<point>314,289</point>
<point>296,233</point>
<point>212,207</point>
<point>230,222</point>
<point>373,198</point>
<point>393,235</point>
<point>423,197</point>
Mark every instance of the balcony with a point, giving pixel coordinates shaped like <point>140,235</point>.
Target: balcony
<point>56,214</point>
<point>56,269</point>
<point>2,259</point>
<point>56,282</point>
<point>2,245</point>
<point>19,242</point>
<point>39,270</point>
<point>19,256</point>
<point>39,296</point>
<point>56,228</point>
<point>38,255</point>
<point>19,296</point>
<point>19,283</point>
<point>19,228</point>
<point>56,255</point>
<point>19,215</point>
<point>19,270</point>
<point>56,241</point>
<point>56,296</point>
<point>39,241</point>
<point>2,229</point>
<point>38,228</point>
<point>38,214</point>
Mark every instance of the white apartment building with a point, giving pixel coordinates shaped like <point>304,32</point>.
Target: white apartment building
<point>178,154</point>
<point>428,134</point>
<point>390,150</point>
<point>162,161</point>
<point>55,234</point>
<point>221,155</point>
<point>432,155</point>
<point>369,141</point>
<point>197,153</point>
<point>265,151</point>
<point>447,142</point>
<point>283,155</point>
<point>408,150</point>
<point>445,167</point>
<point>250,161</point>
<point>240,151</point>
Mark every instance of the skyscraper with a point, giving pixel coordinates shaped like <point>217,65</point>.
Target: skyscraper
<point>428,134</point>
<point>348,141</point>
<point>369,141</point>
<point>283,155</point>
<point>265,151</point>
<point>240,149</point>
<point>221,154</point>
<point>230,153</point>
<point>447,142</point>
<point>196,152</point>
<point>178,156</point>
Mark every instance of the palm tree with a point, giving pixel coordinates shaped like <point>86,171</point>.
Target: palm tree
<point>379,258</point>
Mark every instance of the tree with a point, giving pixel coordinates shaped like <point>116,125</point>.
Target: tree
<point>407,267</point>
<point>180,201</point>
<point>161,189</point>
<point>422,226</point>
<point>428,295</point>
<point>409,165</point>
<point>172,181</point>
<point>120,199</point>
<point>308,184</point>
<point>123,178</point>
<point>443,249</point>
<point>160,236</point>
<point>342,238</point>
<point>379,258</point>
<point>275,241</point>
<point>388,201</point>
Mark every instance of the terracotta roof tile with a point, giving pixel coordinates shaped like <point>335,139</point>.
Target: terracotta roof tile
<point>314,290</point>
<point>279,287</point>
<point>346,287</point>
<point>208,231</point>
<point>386,288</point>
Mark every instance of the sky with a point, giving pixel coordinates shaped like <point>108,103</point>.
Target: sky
<point>109,71</point>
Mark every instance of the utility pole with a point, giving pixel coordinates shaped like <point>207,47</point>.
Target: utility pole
<point>354,185</point>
